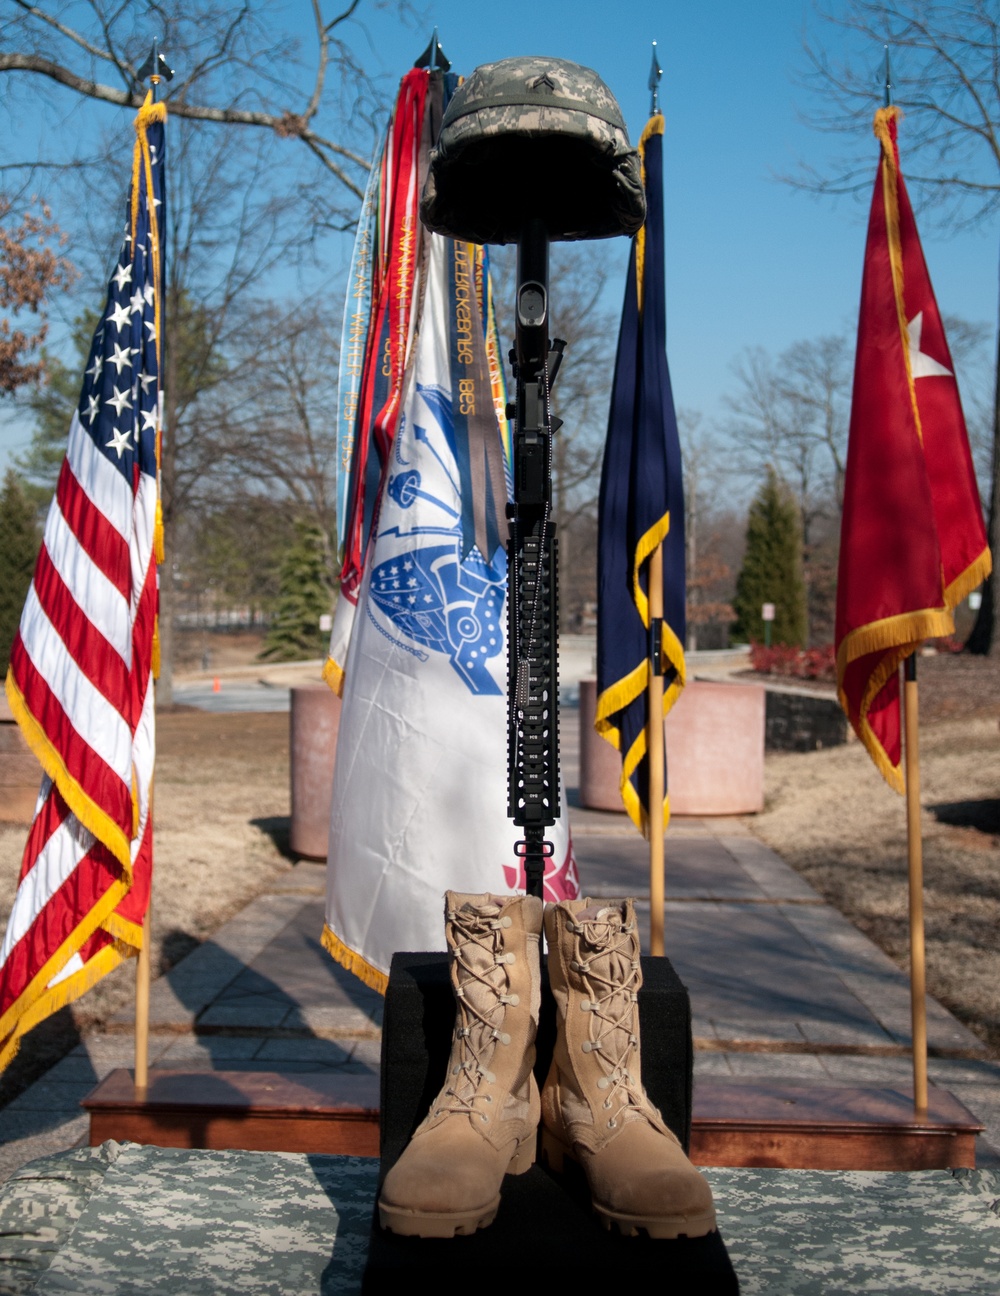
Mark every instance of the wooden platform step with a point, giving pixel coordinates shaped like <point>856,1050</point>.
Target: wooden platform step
<point>805,1127</point>
<point>783,1126</point>
<point>257,1111</point>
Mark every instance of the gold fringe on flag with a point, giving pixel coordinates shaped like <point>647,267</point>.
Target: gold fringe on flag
<point>333,675</point>
<point>965,582</point>
<point>655,126</point>
<point>622,694</point>
<point>353,962</point>
<point>898,636</point>
<point>125,932</point>
<point>38,1000</point>
<point>890,198</point>
<point>648,543</point>
<point>90,814</point>
<point>149,112</point>
<point>158,533</point>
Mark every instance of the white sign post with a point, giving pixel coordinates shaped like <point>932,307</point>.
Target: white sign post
<point>767,616</point>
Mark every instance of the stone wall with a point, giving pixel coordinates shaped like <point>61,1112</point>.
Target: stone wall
<point>796,720</point>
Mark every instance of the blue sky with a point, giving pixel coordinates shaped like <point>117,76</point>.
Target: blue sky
<point>750,261</point>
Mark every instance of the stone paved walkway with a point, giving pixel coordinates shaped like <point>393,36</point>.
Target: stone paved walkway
<point>782,986</point>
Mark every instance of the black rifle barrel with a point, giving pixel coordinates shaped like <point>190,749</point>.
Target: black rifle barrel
<point>532,643</point>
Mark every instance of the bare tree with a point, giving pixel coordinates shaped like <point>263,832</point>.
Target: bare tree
<point>970,343</point>
<point>236,66</point>
<point>944,76</point>
<point>580,398</point>
<point>579,277</point>
<point>228,554</point>
<point>276,428</point>
<point>709,577</point>
<point>228,232</point>
<point>791,411</point>
<point>816,381</point>
<point>227,347</point>
<point>258,166</point>
<point>790,414</point>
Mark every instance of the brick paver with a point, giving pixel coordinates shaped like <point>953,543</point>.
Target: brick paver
<point>781,985</point>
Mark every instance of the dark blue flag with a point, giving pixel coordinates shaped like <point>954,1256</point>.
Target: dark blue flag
<point>641,505</point>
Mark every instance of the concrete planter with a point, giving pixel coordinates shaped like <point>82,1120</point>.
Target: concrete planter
<point>315,720</point>
<point>715,751</point>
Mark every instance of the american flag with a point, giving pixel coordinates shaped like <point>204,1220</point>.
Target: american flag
<point>81,671</point>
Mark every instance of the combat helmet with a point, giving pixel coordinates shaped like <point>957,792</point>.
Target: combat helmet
<point>538,136</point>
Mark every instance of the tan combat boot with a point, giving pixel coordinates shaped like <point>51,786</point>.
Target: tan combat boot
<point>484,1122</point>
<point>594,1108</point>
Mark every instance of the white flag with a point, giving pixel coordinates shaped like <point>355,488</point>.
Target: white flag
<point>420,787</point>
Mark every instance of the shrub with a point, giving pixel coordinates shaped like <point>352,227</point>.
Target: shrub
<point>794,663</point>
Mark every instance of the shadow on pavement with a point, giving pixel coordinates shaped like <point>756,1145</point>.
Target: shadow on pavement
<point>40,1049</point>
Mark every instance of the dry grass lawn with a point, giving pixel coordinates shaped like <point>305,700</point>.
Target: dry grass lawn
<point>222,805</point>
<point>831,816</point>
<point>222,802</point>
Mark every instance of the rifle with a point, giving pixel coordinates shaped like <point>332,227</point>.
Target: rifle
<point>557,129</point>
<point>533,800</point>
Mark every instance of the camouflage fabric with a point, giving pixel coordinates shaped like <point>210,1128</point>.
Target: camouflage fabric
<point>39,1208</point>
<point>124,1219</point>
<point>172,1221</point>
<point>840,1232</point>
<point>533,136</point>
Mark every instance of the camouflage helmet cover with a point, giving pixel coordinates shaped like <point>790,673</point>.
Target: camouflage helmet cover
<point>533,136</point>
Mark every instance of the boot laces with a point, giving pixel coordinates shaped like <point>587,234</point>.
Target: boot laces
<point>609,969</point>
<point>482,995</point>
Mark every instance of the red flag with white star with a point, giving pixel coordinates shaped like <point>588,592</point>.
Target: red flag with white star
<point>912,541</point>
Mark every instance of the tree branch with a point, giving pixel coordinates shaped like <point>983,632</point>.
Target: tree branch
<point>285,125</point>
<point>68,32</point>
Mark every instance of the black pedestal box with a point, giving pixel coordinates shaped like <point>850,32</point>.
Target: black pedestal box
<point>545,1237</point>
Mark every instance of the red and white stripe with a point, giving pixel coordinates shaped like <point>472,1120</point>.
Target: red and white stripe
<point>81,662</point>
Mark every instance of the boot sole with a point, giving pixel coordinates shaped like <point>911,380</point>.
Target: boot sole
<point>448,1224</point>
<point>555,1154</point>
<point>658,1226</point>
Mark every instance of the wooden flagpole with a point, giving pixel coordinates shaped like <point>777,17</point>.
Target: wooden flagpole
<point>142,979</point>
<point>914,850</point>
<point>657,759</point>
<point>155,68</point>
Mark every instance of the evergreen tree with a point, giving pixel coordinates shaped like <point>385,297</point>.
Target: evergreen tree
<point>772,568</point>
<point>19,541</point>
<point>305,594</point>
